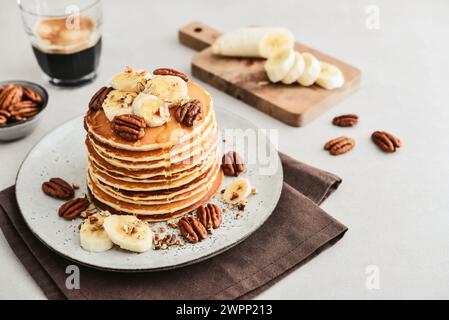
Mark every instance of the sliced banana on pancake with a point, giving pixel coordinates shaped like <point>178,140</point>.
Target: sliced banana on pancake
<point>117,103</point>
<point>93,237</point>
<point>237,191</point>
<point>170,89</point>
<point>129,232</point>
<point>130,80</point>
<point>152,109</point>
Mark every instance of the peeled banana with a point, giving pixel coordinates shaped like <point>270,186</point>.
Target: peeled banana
<point>117,103</point>
<point>93,237</point>
<point>278,65</point>
<point>152,109</point>
<point>311,70</point>
<point>296,70</point>
<point>170,89</point>
<point>129,232</point>
<point>130,80</point>
<point>254,42</point>
<point>237,191</point>
<point>330,77</point>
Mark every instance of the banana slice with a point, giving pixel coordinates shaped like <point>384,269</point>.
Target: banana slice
<point>152,109</point>
<point>330,77</point>
<point>237,191</point>
<point>93,237</point>
<point>311,71</point>
<point>117,103</point>
<point>129,232</point>
<point>254,42</point>
<point>170,89</point>
<point>276,41</point>
<point>130,80</point>
<point>296,71</point>
<point>278,65</point>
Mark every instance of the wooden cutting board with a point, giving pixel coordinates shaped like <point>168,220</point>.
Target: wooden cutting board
<point>245,79</point>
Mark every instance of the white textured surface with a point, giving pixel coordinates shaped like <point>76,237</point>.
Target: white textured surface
<point>396,206</point>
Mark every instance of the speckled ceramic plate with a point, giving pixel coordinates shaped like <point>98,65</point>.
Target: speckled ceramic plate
<point>62,153</point>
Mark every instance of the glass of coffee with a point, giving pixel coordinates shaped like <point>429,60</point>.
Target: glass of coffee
<point>66,38</point>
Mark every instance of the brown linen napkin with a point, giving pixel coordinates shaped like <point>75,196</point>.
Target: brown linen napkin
<point>296,231</point>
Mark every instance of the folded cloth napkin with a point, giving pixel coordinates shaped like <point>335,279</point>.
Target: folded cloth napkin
<point>296,231</point>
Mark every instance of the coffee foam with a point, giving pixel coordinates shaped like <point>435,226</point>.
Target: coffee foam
<point>59,35</point>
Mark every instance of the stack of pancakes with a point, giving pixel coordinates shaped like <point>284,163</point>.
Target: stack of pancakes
<point>171,171</point>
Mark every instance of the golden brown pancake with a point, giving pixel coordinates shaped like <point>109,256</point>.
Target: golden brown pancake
<point>171,171</point>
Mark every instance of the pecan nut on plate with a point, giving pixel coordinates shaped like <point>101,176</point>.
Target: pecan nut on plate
<point>97,100</point>
<point>129,126</point>
<point>58,188</point>
<point>10,95</point>
<point>339,145</point>
<point>73,208</point>
<point>346,120</point>
<point>209,216</point>
<point>191,229</point>
<point>190,113</point>
<point>232,164</point>
<point>386,141</point>
<point>171,72</point>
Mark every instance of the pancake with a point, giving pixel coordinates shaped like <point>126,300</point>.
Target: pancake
<point>152,209</point>
<point>169,172</point>
<point>163,217</point>
<point>136,156</point>
<point>187,156</point>
<point>165,136</point>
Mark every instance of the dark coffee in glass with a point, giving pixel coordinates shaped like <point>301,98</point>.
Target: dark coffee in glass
<point>68,46</point>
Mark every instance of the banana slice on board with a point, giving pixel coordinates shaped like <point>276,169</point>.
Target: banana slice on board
<point>278,65</point>
<point>117,103</point>
<point>330,77</point>
<point>296,71</point>
<point>129,232</point>
<point>257,42</point>
<point>152,109</point>
<point>93,237</point>
<point>237,191</point>
<point>311,70</point>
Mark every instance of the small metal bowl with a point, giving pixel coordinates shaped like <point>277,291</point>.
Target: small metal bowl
<point>17,130</point>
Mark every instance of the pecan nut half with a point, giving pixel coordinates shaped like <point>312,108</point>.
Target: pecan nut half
<point>209,216</point>
<point>339,145</point>
<point>129,126</point>
<point>346,120</point>
<point>32,95</point>
<point>232,164</point>
<point>73,208</point>
<point>191,229</point>
<point>386,141</point>
<point>97,100</point>
<point>4,117</point>
<point>171,72</point>
<point>58,188</point>
<point>23,110</point>
<point>9,96</point>
<point>190,113</point>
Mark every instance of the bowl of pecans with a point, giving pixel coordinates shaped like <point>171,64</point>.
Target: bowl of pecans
<point>21,105</point>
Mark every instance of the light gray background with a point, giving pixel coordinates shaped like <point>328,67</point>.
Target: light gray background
<point>395,205</point>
